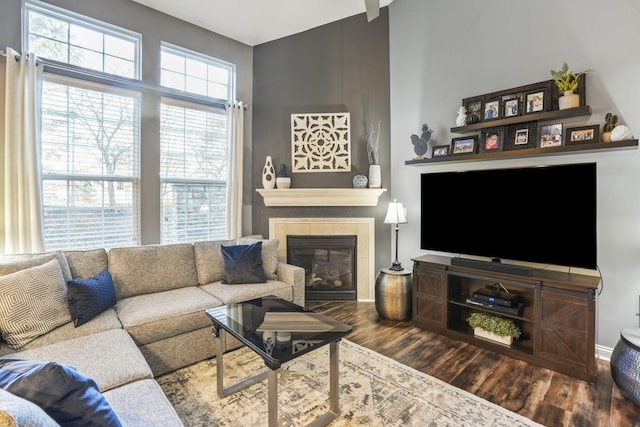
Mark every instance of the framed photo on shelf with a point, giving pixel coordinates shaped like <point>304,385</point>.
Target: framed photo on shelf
<point>492,140</point>
<point>521,137</point>
<point>474,109</point>
<point>440,151</point>
<point>511,107</point>
<point>582,135</point>
<point>491,109</point>
<point>464,145</point>
<point>551,135</point>
<point>535,101</point>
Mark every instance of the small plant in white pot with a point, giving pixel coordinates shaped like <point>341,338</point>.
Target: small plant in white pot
<point>494,328</point>
<point>567,81</point>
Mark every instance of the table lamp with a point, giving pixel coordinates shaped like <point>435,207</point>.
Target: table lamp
<point>396,214</point>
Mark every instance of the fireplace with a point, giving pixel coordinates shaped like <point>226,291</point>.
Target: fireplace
<point>329,263</point>
<point>362,228</point>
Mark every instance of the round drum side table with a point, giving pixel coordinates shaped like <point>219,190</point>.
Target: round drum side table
<point>393,294</point>
<point>625,364</point>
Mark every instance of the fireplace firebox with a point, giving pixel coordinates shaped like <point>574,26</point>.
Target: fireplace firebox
<point>329,263</point>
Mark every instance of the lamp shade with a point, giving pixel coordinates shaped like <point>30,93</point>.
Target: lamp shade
<point>396,213</point>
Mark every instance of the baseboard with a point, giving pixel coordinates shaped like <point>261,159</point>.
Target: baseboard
<point>603,353</point>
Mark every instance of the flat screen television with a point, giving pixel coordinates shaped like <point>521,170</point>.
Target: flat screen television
<point>543,215</point>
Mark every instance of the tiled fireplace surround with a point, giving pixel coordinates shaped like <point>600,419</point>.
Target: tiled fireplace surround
<point>363,228</point>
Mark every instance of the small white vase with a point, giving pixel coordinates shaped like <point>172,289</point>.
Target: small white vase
<point>375,178</point>
<point>268,174</point>
<point>568,100</point>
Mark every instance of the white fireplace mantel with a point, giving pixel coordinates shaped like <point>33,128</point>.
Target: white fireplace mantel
<point>321,196</point>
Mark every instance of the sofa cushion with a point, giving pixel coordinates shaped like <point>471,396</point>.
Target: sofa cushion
<point>269,254</point>
<point>231,294</point>
<point>33,302</point>
<point>209,260</point>
<point>140,270</point>
<point>157,316</point>
<point>105,321</point>
<point>89,297</point>
<point>13,263</point>
<point>143,403</point>
<point>67,396</point>
<point>110,358</point>
<point>86,263</point>
<point>18,412</point>
<point>243,264</point>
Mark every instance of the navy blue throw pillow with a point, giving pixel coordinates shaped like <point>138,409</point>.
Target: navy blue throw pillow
<point>67,396</point>
<point>243,264</point>
<point>89,297</point>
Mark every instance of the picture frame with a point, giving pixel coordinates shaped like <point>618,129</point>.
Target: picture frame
<point>491,110</point>
<point>530,129</point>
<point>511,107</point>
<point>551,135</point>
<point>492,140</point>
<point>521,137</point>
<point>474,109</point>
<point>464,145</point>
<point>441,150</point>
<point>535,101</point>
<point>582,135</point>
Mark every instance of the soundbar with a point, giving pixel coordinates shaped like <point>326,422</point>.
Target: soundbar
<point>518,270</point>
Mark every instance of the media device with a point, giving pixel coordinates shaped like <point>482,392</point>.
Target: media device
<point>543,215</point>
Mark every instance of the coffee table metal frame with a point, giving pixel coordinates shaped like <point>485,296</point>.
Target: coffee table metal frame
<point>220,331</point>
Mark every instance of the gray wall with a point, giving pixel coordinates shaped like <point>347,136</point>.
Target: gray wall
<point>441,52</point>
<point>154,27</point>
<point>339,67</point>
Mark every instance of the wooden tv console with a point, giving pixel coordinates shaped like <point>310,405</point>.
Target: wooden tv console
<point>557,320</point>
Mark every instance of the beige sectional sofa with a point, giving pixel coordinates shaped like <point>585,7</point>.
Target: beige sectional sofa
<point>159,322</point>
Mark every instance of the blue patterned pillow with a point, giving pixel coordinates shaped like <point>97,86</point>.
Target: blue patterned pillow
<point>67,396</point>
<point>243,264</point>
<point>89,297</point>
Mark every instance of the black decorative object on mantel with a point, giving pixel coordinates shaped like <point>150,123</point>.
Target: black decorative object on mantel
<point>283,180</point>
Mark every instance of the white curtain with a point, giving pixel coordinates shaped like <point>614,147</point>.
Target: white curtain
<point>235,114</point>
<point>21,204</point>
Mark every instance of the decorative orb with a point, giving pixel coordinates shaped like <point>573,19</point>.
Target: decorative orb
<point>620,133</point>
<point>360,181</point>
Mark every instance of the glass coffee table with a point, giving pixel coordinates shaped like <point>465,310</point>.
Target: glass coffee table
<point>278,331</point>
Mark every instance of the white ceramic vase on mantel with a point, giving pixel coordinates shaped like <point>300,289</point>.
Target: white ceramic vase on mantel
<point>268,174</point>
<point>375,178</point>
<point>568,100</point>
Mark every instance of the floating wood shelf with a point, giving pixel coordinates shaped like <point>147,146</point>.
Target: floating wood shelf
<point>533,152</point>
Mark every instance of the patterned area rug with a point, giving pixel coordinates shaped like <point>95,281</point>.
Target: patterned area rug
<point>374,391</point>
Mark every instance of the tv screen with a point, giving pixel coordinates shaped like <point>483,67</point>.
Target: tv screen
<point>541,214</point>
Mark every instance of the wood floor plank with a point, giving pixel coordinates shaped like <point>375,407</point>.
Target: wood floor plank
<point>545,396</point>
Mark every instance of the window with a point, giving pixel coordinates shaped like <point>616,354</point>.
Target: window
<point>193,146</point>
<point>62,36</point>
<point>90,141</point>
<point>190,72</point>
<point>90,132</point>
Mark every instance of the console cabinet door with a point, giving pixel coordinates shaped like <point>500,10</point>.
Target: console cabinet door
<point>429,291</point>
<point>567,330</point>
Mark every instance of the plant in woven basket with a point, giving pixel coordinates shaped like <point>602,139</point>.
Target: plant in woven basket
<point>494,324</point>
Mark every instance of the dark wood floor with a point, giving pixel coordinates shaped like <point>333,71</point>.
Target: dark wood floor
<point>545,396</point>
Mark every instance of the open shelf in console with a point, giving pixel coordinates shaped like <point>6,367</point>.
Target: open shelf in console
<point>461,304</point>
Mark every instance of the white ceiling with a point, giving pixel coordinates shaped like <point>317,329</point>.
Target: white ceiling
<point>258,21</point>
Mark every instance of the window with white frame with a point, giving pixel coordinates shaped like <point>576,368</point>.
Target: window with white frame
<point>90,144</point>
<point>62,36</point>
<point>193,147</point>
<point>90,139</point>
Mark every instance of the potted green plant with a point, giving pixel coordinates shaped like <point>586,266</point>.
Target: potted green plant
<point>610,122</point>
<point>494,328</point>
<point>567,82</point>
